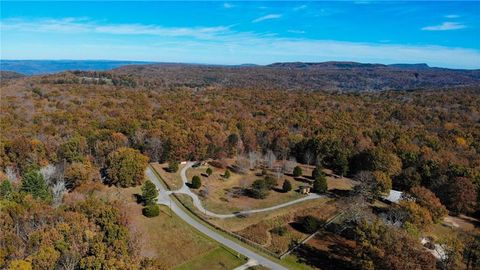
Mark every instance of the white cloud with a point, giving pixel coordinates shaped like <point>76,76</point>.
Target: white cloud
<point>228,5</point>
<point>267,17</point>
<point>300,7</point>
<point>75,26</point>
<point>444,27</point>
<point>452,16</point>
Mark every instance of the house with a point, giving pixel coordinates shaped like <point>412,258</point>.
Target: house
<point>304,189</point>
<point>394,196</point>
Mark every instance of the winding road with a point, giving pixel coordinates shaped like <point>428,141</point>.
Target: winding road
<point>164,198</point>
<point>198,203</point>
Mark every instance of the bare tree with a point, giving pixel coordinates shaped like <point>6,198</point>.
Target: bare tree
<point>308,157</point>
<point>11,174</point>
<point>252,159</point>
<point>155,148</point>
<point>242,164</point>
<point>289,164</point>
<point>58,190</point>
<point>278,172</point>
<point>271,159</point>
<point>49,172</point>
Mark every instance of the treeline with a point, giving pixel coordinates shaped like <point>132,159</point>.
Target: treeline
<point>427,138</point>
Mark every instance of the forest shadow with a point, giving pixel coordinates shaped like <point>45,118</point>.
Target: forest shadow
<point>325,260</point>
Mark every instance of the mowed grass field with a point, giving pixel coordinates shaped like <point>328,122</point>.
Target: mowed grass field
<point>169,238</point>
<point>258,227</point>
<point>173,180</point>
<point>224,194</point>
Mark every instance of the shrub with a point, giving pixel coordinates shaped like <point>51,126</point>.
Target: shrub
<point>209,171</point>
<point>151,210</point>
<point>173,166</point>
<point>259,189</point>
<point>310,224</point>
<point>287,186</point>
<point>226,174</point>
<point>297,171</point>
<point>270,182</point>
<point>196,182</point>
<point>279,230</point>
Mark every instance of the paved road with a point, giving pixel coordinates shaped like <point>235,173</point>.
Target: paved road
<point>164,198</point>
<point>198,204</point>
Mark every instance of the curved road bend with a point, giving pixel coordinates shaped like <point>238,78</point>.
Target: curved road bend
<point>164,198</point>
<point>198,204</point>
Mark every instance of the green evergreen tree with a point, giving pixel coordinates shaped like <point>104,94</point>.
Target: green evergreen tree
<point>320,185</point>
<point>287,186</point>
<point>149,192</point>
<point>6,190</point>
<point>209,171</point>
<point>297,171</point>
<point>317,171</point>
<point>196,182</point>
<point>34,184</point>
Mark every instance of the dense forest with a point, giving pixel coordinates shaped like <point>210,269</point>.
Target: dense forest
<point>80,124</point>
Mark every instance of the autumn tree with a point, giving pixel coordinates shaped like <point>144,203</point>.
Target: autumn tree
<point>73,150</point>
<point>125,167</point>
<point>382,181</point>
<point>78,173</point>
<point>426,198</point>
<point>382,247</point>
<point>460,195</point>
<point>417,215</point>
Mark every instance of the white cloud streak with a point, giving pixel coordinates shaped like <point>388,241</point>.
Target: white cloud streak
<point>300,7</point>
<point>446,26</point>
<point>267,17</point>
<point>228,5</point>
<point>75,26</point>
<point>452,16</point>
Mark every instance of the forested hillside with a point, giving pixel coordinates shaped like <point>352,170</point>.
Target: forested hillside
<point>327,76</point>
<point>86,121</point>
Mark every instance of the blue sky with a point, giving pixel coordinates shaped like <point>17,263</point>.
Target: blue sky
<point>445,34</point>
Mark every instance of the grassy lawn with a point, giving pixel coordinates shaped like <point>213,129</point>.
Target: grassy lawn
<point>224,195</point>
<point>257,227</point>
<point>219,258</point>
<point>173,180</point>
<point>166,236</point>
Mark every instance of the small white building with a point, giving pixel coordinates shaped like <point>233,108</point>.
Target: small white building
<point>394,196</point>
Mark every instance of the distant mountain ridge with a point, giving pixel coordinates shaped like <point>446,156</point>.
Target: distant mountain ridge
<point>37,67</point>
<point>329,76</point>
